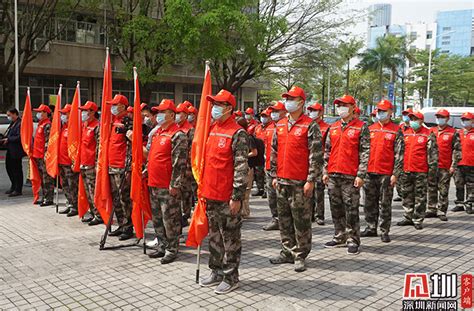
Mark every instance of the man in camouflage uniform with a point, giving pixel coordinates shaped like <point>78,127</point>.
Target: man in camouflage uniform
<point>346,156</point>
<point>420,162</point>
<point>166,169</point>
<point>404,125</point>
<point>40,146</point>
<point>384,168</point>
<point>449,154</point>
<point>69,178</point>
<point>224,182</point>
<point>296,160</point>
<point>119,168</point>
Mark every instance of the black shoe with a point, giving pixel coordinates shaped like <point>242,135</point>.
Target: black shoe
<point>184,221</point>
<point>15,194</point>
<point>320,221</point>
<point>431,214</point>
<point>264,195</point>
<point>96,221</point>
<point>405,222</point>
<point>8,191</point>
<point>65,211</point>
<point>280,259</point>
<point>47,203</point>
<point>39,202</point>
<point>443,218</point>
<point>368,232</point>
<point>127,234</point>
<point>457,208</point>
<point>334,244</point>
<point>469,209</point>
<point>72,213</point>
<point>87,218</point>
<point>352,249</point>
<point>397,199</point>
<point>418,226</point>
<point>157,254</point>
<point>168,258</point>
<point>385,238</point>
<point>258,193</point>
<point>116,232</point>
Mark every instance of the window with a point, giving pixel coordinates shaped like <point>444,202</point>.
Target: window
<point>413,35</point>
<point>429,34</point>
<point>446,37</point>
<point>445,42</point>
<point>444,51</point>
<point>446,28</point>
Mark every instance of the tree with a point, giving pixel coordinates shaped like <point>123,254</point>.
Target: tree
<point>36,29</point>
<point>348,50</point>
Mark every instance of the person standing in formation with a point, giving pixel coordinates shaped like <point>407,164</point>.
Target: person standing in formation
<point>296,161</point>
<point>404,125</point>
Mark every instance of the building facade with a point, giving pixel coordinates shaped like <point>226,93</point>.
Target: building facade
<point>456,32</point>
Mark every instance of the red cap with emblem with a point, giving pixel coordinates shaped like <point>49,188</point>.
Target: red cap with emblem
<point>346,99</point>
<point>89,106</point>
<point>316,106</point>
<point>119,99</point>
<point>66,109</point>
<point>295,91</point>
<point>223,96</point>
<point>43,108</point>
<point>384,105</point>
<point>278,107</point>
<point>407,111</point>
<point>467,116</point>
<point>166,104</point>
<point>249,111</point>
<point>417,114</point>
<point>442,113</point>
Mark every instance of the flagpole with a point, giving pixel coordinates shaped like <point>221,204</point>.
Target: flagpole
<point>57,194</point>
<point>198,263</point>
<point>58,102</point>
<point>17,68</point>
<point>143,228</point>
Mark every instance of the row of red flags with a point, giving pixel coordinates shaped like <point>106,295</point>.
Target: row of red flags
<point>141,210</point>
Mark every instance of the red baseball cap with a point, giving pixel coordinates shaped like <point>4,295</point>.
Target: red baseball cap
<point>66,109</point>
<point>467,116</point>
<point>192,109</point>
<point>223,96</point>
<point>357,110</point>
<point>278,106</point>
<point>166,104</point>
<point>43,108</point>
<point>238,113</point>
<point>384,105</point>
<point>183,107</point>
<point>374,112</point>
<point>265,112</point>
<point>249,111</point>
<point>346,99</point>
<point>119,99</point>
<point>295,91</point>
<point>407,111</point>
<point>316,106</point>
<point>89,106</point>
<point>442,113</point>
<point>130,109</point>
<point>143,106</point>
<point>417,114</point>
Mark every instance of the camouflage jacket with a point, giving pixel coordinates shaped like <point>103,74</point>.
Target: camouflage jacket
<point>240,149</point>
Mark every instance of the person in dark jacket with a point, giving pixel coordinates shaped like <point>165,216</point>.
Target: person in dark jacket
<point>15,153</point>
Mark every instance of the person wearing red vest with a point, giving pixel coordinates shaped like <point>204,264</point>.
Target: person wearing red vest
<point>464,174</point>
<point>449,154</point>
<point>166,169</point>
<point>316,112</point>
<point>276,113</point>
<point>69,178</point>
<point>89,152</point>
<point>296,161</point>
<point>119,168</point>
<point>420,161</point>
<point>187,192</point>
<point>40,144</point>
<point>384,168</point>
<point>404,125</point>
<point>259,175</point>
<point>192,115</point>
<point>346,156</point>
<point>224,181</point>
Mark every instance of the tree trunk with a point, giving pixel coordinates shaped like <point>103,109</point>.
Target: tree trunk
<point>380,83</point>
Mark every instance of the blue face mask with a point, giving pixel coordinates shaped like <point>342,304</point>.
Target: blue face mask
<point>84,116</point>
<point>217,112</point>
<point>382,115</point>
<point>415,125</point>
<point>406,119</point>
<point>275,116</point>
<point>264,120</point>
<point>466,123</point>
<point>38,116</point>
<point>441,121</point>
<point>63,119</point>
<point>9,118</point>
<point>191,118</point>
<point>160,118</point>
<point>114,110</point>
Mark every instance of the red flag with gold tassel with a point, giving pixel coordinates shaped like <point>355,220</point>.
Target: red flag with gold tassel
<point>51,156</point>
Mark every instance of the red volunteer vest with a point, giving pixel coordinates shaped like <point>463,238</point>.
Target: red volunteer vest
<point>160,165</point>
<point>88,143</point>
<point>344,157</point>
<point>40,140</point>
<point>416,153</point>
<point>117,145</point>
<point>267,140</point>
<point>445,145</point>
<point>293,153</point>
<point>63,153</point>
<point>467,147</point>
<point>382,148</point>
<point>218,175</point>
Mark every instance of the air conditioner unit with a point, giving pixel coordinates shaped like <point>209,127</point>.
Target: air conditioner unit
<point>38,45</point>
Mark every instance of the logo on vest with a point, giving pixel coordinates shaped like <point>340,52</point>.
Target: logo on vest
<point>163,141</point>
<point>389,136</point>
<point>372,135</point>
<point>298,132</point>
<point>421,139</point>
<point>221,143</point>
<point>471,137</point>
<point>445,137</point>
<point>351,133</point>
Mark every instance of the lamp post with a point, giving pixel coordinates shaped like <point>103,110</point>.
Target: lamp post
<point>17,69</point>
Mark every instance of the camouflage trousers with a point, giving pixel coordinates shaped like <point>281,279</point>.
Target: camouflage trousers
<point>225,245</point>
<point>88,178</point>
<point>317,201</point>
<point>378,202</point>
<point>438,190</point>
<point>166,216</point>
<point>70,183</point>
<point>120,188</point>
<point>271,195</point>
<point>464,181</point>
<point>186,200</point>
<point>259,177</point>
<point>294,220</point>
<point>47,182</point>
<point>344,201</point>
<point>399,185</point>
<point>414,196</point>
<point>246,201</point>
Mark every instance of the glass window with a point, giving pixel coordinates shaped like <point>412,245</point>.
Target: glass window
<point>445,42</point>
<point>429,34</point>
<point>446,28</point>
<point>413,35</point>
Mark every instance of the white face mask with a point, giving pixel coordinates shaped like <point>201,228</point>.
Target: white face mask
<point>291,105</point>
<point>466,123</point>
<point>275,116</point>
<point>39,115</point>
<point>264,120</point>
<point>382,115</point>
<point>160,118</point>
<point>9,118</point>
<point>441,121</point>
<point>148,122</point>
<point>248,117</point>
<point>85,116</point>
<point>314,114</point>
<point>114,110</point>
<point>63,119</point>
<point>191,118</point>
<point>217,112</point>
<point>177,119</point>
<point>343,111</point>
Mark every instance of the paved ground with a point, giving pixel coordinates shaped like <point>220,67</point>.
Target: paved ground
<point>50,261</point>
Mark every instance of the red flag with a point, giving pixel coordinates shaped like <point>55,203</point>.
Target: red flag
<point>198,228</point>
<point>26,134</point>
<point>102,196</point>
<point>51,156</point>
<point>136,189</point>
<point>82,203</point>
<point>74,131</point>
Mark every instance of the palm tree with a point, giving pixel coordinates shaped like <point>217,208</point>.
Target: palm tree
<point>385,55</point>
<point>349,50</point>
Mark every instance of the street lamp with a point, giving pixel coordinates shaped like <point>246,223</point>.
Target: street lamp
<point>17,68</point>
<point>428,99</point>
